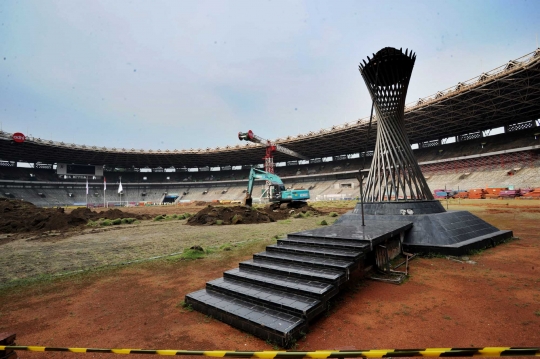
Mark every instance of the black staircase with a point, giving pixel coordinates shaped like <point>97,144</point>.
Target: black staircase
<point>278,293</point>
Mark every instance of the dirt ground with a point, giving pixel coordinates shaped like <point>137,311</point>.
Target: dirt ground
<point>20,218</point>
<point>210,215</point>
<point>495,302</point>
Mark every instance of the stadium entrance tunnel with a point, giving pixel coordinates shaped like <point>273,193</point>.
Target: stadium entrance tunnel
<point>170,198</point>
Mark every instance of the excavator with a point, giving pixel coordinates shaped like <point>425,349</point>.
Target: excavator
<point>278,194</point>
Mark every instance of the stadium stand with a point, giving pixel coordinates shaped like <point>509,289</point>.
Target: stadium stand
<point>463,115</point>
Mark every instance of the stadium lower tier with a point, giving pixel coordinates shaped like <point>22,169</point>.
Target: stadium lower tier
<point>461,176</point>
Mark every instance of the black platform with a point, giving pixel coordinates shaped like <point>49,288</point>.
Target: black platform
<point>279,293</point>
<point>434,229</point>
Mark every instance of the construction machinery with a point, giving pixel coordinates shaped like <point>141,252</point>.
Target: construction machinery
<point>277,193</point>
<point>271,147</point>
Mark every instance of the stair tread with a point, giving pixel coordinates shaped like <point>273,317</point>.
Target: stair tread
<point>305,285</point>
<point>271,318</point>
<point>327,273</point>
<point>340,263</point>
<point>318,250</point>
<point>326,241</point>
<point>292,301</point>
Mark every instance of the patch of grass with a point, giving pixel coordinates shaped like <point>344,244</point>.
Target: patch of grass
<point>219,222</point>
<point>187,215</point>
<point>333,214</point>
<point>128,220</point>
<point>284,221</point>
<point>181,216</point>
<point>447,317</point>
<point>433,255</point>
<point>537,313</point>
<point>117,221</point>
<point>174,216</point>
<point>92,223</point>
<point>159,218</point>
<point>474,252</point>
<point>323,223</point>
<point>190,254</point>
<point>186,307</point>
<point>225,247</point>
<point>106,222</point>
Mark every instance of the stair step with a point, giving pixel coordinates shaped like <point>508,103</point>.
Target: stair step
<point>266,323</point>
<point>305,271</point>
<point>326,242</point>
<point>346,254</point>
<point>296,304</point>
<point>302,259</point>
<point>310,288</point>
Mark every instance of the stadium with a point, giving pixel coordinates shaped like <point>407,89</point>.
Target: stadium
<point>482,133</point>
<point>477,144</point>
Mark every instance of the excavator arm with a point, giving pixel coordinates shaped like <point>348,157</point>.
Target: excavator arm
<point>256,174</point>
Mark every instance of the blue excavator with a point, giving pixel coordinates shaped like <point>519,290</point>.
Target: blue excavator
<point>277,193</point>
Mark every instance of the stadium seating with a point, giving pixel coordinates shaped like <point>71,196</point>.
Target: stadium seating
<point>444,166</point>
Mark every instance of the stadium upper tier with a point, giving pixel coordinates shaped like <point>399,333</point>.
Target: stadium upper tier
<point>505,96</point>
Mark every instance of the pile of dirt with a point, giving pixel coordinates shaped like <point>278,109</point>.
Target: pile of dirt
<point>210,215</point>
<point>18,216</point>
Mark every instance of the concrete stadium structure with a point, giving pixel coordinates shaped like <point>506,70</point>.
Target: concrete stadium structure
<point>450,132</point>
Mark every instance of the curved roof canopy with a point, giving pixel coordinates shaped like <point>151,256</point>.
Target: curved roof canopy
<point>506,95</point>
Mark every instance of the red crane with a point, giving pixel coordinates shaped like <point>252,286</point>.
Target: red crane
<point>271,147</point>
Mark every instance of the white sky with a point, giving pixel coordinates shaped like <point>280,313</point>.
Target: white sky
<point>192,74</point>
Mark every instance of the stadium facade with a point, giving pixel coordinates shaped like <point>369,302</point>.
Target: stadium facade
<point>450,131</point>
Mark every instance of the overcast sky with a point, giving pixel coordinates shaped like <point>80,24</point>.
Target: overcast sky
<point>191,74</point>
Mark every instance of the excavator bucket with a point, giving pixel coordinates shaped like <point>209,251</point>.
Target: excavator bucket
<point>248,201</point>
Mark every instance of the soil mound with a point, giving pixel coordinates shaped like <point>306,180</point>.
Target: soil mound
<point>20,216</point>
<point>210,215</point>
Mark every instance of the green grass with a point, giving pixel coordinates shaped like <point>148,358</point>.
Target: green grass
<point>225,247</point>
<point>186,307</point>
<point>147,239</point>
<point>190,254</point>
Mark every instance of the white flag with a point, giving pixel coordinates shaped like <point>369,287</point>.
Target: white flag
<point>104,183</point>
<point>120,187</point>
<point>86,185</point>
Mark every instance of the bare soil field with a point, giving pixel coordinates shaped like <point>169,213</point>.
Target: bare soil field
<point>444,303</point>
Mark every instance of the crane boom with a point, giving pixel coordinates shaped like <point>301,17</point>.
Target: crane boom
<point>250,136</point>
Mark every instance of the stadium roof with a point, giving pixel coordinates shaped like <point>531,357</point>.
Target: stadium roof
<point>503,96</point>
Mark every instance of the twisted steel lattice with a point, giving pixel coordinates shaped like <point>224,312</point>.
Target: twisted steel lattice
<point>394,174</point>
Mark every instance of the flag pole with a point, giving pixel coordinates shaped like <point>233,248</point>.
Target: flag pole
<point>120,188</point>
<point>86,191</point>
<point>104,188</point>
